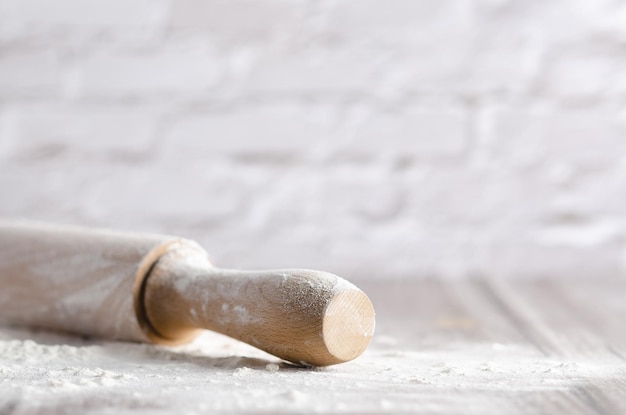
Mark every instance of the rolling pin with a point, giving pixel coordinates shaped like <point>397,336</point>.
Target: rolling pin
<point>164,290</point>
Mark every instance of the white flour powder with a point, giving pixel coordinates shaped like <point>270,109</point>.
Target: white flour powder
<point>42,372</point>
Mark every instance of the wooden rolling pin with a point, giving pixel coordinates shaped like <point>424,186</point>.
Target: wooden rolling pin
<point>164,290</point>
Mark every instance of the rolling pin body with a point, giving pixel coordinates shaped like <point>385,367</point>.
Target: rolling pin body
<point>75,280</point>
<point>163,289</point>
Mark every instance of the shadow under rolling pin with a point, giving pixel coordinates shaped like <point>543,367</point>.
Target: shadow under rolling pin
<point>164,290</point>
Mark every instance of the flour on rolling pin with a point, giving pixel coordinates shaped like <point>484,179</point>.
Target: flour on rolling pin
<point>164,290</point>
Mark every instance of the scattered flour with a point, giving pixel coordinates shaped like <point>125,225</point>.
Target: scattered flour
<point>51,373</point>
<point>272,367</point>
<point>243,372</point>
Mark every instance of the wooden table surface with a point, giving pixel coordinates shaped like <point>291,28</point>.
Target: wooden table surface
<point>441,347</point>
<point>546,346</point>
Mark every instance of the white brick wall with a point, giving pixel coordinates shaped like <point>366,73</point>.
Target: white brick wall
<point>30,73</point>
<point>405,138</point>
<point>187,69</point>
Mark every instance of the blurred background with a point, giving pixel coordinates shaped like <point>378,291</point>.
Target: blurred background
<point>398,139</point>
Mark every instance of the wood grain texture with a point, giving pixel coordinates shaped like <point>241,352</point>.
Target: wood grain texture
<point>303,316</point>
<point>481,346</point>
<point>507,346</point>
<point>76,280</point>
<point>164,290</point>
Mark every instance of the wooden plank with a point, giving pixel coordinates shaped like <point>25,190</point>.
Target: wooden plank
<point>434,313</point>
<point>566,338</point>
<point>442,347</point>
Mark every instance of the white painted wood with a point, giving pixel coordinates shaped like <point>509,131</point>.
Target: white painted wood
<point>441,347</point>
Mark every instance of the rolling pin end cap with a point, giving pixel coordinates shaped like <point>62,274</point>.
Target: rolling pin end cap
<point>348,324</point>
